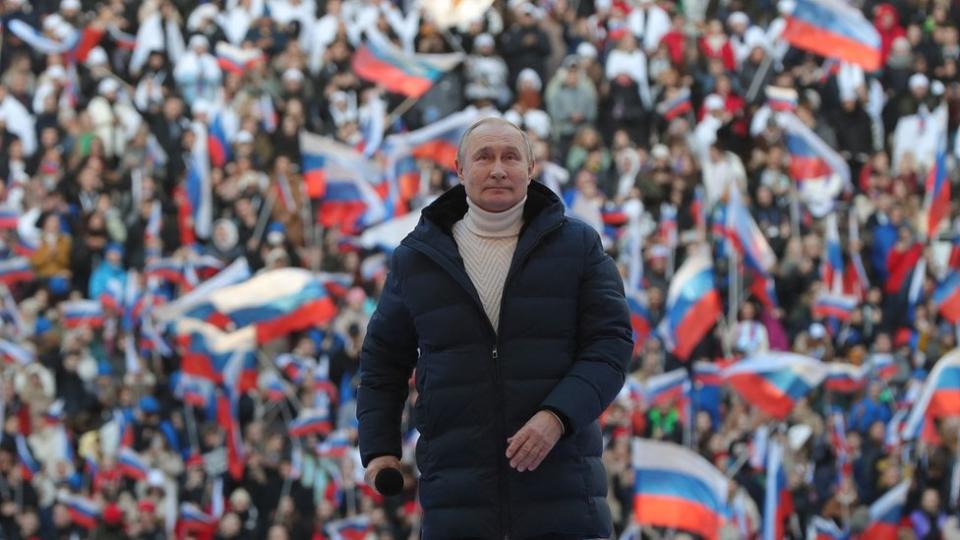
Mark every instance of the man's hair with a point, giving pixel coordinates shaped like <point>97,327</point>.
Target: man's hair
<point>494,120</point>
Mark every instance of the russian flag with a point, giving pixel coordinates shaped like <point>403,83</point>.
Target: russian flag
<point>78,313</point>
<point>780,98</point>
<point>206,350</point>
<point>334,446</point>
<point>82,511</point>
<point>640,319</point>
<point>937,199</point>
<point>763,288</point>
<point>437,142</point>
<point>835,306</point>
<point>692,306</point>
<point>777,502</point>
<point>708,374</point>
<point>676,488</point>
<point>227,416</point>
<point>810,157</point>
<point>15,270</point>
<point>343,180</point>
<point>166,269</point>
<point>940,395</point>
<point>836,30</point>
<point>412,75</point>
<point>13,353</point>
<point>831,268</point>
<point>310,421</point>
<point>825,529</point>
<point>236,60</point>
<point>8,217</point>
<point>198,185</point>
<point>774,381</point>
<point>946,297</point>
<point>886,512</point>
<point>669,387</point>
<point>193,519</point>
<point>276,303</point>
<point>883,366</point>
<point>29,466</point>
<point>352,528</point>
<point>845,378</point>
<point>294,367</point>
<point>193,390</point>
<point>217,143</point>
<point>745,236</point>
<point>131,464</point>
<point>841,449</point>
<point>900,266</point>
<point>275,390</point>
<point>678,105</point>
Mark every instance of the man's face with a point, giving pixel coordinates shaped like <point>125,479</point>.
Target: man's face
<point>496,169</point>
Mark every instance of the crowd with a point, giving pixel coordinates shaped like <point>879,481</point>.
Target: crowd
<point>644,115</point>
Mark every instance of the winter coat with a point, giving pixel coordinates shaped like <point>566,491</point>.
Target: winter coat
<point>563,345</point>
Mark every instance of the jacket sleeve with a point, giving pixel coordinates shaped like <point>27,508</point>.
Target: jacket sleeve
<point>387,358</point>
<point>605,340</point>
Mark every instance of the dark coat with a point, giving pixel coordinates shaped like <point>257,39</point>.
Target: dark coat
<point>563,344</point>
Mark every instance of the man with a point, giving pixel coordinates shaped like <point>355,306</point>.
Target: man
<point>516,323</point>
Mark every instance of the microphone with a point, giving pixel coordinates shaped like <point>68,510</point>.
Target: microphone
<point>389,481</point>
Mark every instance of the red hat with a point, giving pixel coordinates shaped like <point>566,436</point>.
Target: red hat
<point>112,515</point>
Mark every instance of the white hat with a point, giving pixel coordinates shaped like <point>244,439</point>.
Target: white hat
<point>937,88</point>
<point>155,478</point>
<point>199,40</point>
<point>202,13</point>
<point>528,75</point>
<point>527,8</point>
<point>754,37</point>
<point>199,107</point>
<point>586,50</point>
<point>483,40</point>
<point>108,86</point>
<point>56,72</point>
<point>96,57</point>
<point>738,17</point>
<point>538,122</point>
<point>660,151</point>
<point>918,80</point>
<point>798,435</point>
<point>69,4</point>
<point>817,331</point>
<point>293,74</point>
<point>713,102</point>
<point>243,137</point>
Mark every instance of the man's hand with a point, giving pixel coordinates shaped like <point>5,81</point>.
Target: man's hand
<point>528,446</point>
<point>378,464</point>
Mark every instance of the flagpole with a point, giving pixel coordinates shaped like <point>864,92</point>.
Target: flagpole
<point>264,217</point>
<point>399,111</point>
<point>191,426</point>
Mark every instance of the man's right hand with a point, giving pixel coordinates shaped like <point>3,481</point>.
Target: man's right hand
<point>378,464</point>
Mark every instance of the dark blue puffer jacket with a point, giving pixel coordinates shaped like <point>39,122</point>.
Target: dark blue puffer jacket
<point>563,344</point>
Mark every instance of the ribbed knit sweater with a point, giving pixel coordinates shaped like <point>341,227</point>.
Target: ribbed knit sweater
<point>486,241</point>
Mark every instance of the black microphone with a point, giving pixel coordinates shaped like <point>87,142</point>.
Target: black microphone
<point>389,481</point>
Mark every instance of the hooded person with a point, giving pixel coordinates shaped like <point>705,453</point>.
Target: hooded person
<point>197,73</point>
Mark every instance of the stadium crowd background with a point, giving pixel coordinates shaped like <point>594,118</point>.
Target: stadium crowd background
<point>642,113</point>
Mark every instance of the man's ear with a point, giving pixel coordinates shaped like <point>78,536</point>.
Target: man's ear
<point>459,169</point>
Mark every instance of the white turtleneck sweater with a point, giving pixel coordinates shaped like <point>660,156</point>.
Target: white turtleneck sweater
<point>487,241</point>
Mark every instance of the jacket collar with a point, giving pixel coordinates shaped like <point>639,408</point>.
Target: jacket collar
<point>542,210</point>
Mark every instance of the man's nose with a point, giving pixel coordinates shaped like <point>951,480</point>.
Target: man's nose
<point>498,169</point>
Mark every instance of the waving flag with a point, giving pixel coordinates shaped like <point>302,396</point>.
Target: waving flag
<point>781,98</point>
<point>677,488</point>
<point>835,306</point>
<point>193,519</point>
<point>193,390</point>
<point>15,270</point>
<point>886,512</point>
<point>774,381</point>
<point>310,421</point>
<point>228,418</point>
<point>275,303</point>
<point>936,205</point>
<point>777,502</point>
<point>412,75</point>
<point>692,306</point>
<point>82,511</point>
<point>825,529</point>
<point>352,528</point>
<point>217,143</point>
<point>236,60</point>
<point>343,180</point>
<point>678,105</point>
<point>13,353</point>
<point>810,157</point>
<point>940,396</point>
<point>883,366</point>
<point>845,378</point>
<point>198,186</point>
<point>78,313</point>
<point>237,272</point>
<point>206,350</point>
<point>436,142</point>
<point>763,288</point>
<point>29,466</point>
<point>745,236</point>
<point>669,387</point>
<point>131,464</point>
<point>831,268</point>
<point>946,297</point>
<point>834,29</point>
<point>901,264</point>
<point>9,217</point>
<point>640,319</point>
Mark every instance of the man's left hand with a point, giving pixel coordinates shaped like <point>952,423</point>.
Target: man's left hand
<point>531,444</point>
